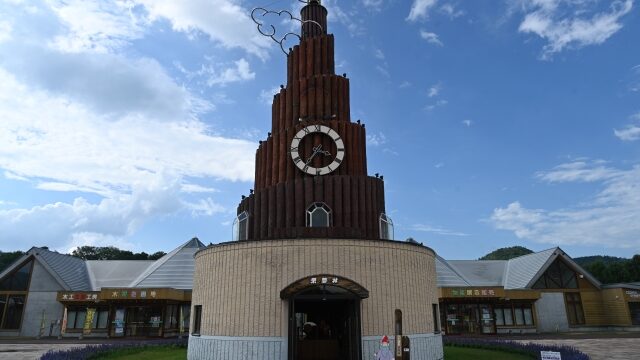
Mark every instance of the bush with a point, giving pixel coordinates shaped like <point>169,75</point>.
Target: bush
<point>92,351</point>
<point>530,349</point>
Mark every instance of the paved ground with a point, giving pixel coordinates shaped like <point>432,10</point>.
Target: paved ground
<point>30,351</point>
<point>601,349</point>
<point>599,346</point>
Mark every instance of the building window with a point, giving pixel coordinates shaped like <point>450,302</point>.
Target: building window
<point>13,289</point>
<point>76,317</point>
<point>197,318</point>
<point>319,215</point>
<point>386,227</point>
<point>398,322</point>
<point>241,227</point>
<point>634,310</point>
<point>436,318</point>
<point>557,276</point>
<point>186,317</point>
<point>574,308</point>
<point>171,317</point>
<point>510,315</point>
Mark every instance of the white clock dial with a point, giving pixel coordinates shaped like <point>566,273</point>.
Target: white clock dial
<point>304,164</point>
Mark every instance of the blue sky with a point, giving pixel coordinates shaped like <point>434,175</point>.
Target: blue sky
<point>495,123</point>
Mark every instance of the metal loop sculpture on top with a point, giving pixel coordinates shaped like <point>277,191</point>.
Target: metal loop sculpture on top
<point>259,12</point>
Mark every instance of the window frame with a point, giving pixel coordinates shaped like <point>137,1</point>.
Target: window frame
<point>388,224</point>
<point>319,206</point>
<point>197,320</point>
<point>573,300</point>
<point>237,223</point>
<point>437,327</point>
<point>30,261</point>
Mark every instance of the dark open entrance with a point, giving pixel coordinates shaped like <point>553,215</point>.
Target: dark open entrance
<point>325,325</point>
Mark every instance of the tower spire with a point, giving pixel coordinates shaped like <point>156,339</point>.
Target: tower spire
<point>313,11</point>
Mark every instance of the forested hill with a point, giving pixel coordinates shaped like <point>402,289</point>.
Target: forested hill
<point>607,269</point>
<point>507,253</point>
<point>88,253</point>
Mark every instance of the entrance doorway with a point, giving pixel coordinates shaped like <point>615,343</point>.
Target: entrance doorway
<point>324,324</point>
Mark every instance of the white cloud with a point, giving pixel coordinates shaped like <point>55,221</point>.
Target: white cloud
<point>376,139</point>
<point>224,21</point>
<point>436,230</point>
<point>431,38</point>
<point>101,26</point>
<point>106,83</point>
<point>420,9</point>
<point>5,30</point>
<point>610,218</point>
<point>404,84</point>
<point>75,145</point>
<point>434,90</point>
<point>631,132</point>
<point>66,225</point>
<point>373,4</point>
<point>451,11</point>
<point>379,54</point>
<point>266,96</point>
<point>383,70</point>
<point>634,84</point>
<point>135,162</point>
<point>195,188</point>
<point>238,72</point>
<point>567,24</point>
<point>467,122</point>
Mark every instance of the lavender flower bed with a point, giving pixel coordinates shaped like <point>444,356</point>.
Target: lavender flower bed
<point>91,351</point>
<point>531,349</point>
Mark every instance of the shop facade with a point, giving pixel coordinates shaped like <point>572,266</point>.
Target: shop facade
<point>538,293</point>
<point>48,294</point>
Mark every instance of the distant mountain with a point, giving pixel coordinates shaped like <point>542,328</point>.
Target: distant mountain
<point>588,260</point>
<point>507,253</point>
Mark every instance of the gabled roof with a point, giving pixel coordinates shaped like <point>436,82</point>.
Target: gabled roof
<point>174,270</point>
<point>70,269</point>
<point>481,273</point>
<point>115,273</point>
<point>520,271</point>
<point>447,275</point>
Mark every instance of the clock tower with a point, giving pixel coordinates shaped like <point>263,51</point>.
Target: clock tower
<point>311,172</point>
<point>313,271</point>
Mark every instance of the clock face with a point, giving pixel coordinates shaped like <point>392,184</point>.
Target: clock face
<point>332,156</point>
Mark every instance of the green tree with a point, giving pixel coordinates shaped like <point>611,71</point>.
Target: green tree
<point>7,258</point>
<point>507,253</point>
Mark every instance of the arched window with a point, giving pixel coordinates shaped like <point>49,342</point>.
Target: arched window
<point>386,227</point>
<point>241,227</point>
<point>319,215</point>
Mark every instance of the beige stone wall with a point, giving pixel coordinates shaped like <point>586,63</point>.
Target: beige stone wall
<point>238,284</point>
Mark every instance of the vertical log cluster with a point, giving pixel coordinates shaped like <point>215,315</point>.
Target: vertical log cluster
<point>314,94</point>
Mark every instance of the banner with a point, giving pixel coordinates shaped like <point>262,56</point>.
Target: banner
<point>63,327</point>
<point>88,321</point>
<point>181,320</point>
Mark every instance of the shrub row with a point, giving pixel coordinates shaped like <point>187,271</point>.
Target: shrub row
<point>92,351</point>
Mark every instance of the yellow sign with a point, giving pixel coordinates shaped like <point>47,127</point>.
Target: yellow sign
<point>88,321</point>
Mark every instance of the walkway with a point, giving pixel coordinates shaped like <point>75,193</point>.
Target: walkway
<point>599,346</point>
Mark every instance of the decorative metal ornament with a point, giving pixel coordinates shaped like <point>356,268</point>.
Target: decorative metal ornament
<point>259,12</point>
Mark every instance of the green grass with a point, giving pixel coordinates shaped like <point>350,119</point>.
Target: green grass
<point>464,353</point>
<point>149,353</point>
<point>173,353</point>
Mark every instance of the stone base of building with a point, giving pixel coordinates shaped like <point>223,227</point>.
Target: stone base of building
<point>423,347</point>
